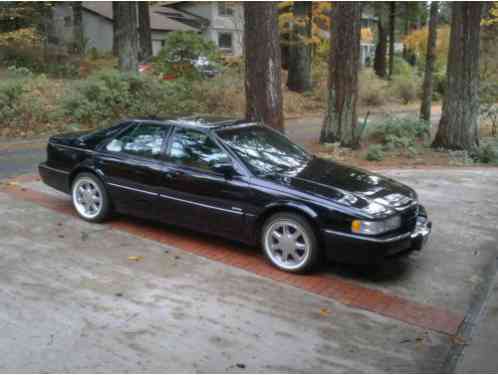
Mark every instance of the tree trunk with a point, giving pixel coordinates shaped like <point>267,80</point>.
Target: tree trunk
<point>425,108</point>
<point>263,62</point>
<point>78,37</point>
<point>392,40</point>
<point>380,50</point>
<point>144,30</point>
<point>299,63</point>
<point>115,32</point>
<point>458,128</point>
<point>340,123</point>
<point>127,35</point>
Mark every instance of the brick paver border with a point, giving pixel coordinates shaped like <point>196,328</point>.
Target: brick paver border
<point>343,291</point>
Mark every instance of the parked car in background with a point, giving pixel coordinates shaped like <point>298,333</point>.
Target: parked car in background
<point>239,180</point>
<point>205,67</point>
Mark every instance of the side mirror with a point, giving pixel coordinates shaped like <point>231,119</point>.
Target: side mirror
<point>225,168</point>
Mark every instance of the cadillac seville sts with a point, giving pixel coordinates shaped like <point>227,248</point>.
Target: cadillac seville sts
<point>240,180</point>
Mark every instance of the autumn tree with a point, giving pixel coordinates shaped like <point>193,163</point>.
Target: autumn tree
<point>126,35</point>
<point>340,123</point>
<point>144,30</point>
<point>263,61</point>
<point>299,63</point>
<point>458,127</point>
<point>425,108</point>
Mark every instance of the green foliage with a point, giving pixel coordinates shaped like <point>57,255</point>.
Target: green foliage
<point>487,154</point>
<point>181,48</point>
<point>402,67</point>
<point>20,101</point>
<point>488,96</point>
<point>62,70</point>
<point>11,91</point>
<point>401,133</point>
<point>405,88</point>
<point>375,153</point>
<point>460,157</point>
<point>372,89</point>
<point>108,95</point>
<point>19,72</point>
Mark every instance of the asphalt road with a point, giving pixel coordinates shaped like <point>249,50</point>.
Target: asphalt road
<point>20,158</point>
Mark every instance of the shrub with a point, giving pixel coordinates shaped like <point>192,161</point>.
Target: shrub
<point>488,95</point>
<point>223,94</point>
<point>107,95</point>
<point>11,91</point>
<point>375,153</point>
<point>405,88</point>
<point>181,48</point>
<point>372,89</point>
<point>402,68</point>
<point>486,154</point>
<point>460,157</point>
<point>401,132</point>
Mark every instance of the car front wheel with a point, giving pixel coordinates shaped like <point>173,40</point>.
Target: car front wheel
<point>290,243</point>
<point>90,198</point>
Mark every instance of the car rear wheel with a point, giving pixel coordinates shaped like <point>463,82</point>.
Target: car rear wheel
<point>290,243</point>
<point>90,198</point>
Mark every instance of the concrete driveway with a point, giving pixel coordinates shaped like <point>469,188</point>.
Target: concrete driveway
<point>75,301</point>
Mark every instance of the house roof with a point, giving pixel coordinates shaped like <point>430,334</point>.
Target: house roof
<point>159,21</point>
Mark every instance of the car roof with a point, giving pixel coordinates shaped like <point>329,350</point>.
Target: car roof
<point>199,122</point>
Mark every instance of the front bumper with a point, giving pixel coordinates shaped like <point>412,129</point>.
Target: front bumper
<point>357,249</point>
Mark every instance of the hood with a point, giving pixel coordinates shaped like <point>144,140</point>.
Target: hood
<point>374,194</point>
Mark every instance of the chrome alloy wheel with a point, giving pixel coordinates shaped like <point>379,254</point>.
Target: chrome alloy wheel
<point>287,244</point>
<point>87,198</point>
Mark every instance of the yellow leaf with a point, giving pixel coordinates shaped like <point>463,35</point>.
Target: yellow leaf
<point>136,258</point>
<point>458,340</point>
<point>324,312</point>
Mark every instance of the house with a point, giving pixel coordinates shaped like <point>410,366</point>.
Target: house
<point>219,23</point>
<point>222,22</point>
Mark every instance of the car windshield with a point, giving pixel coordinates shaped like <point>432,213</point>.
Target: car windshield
<point>265,151</point>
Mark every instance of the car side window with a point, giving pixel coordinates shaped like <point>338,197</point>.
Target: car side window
<point>195,149</point>
<point>143,140</point>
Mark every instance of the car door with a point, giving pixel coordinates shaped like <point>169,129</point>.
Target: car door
<point>132,166</point>
<point>193,194</point>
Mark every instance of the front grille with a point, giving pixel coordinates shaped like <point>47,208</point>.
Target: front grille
<point>409,218</point>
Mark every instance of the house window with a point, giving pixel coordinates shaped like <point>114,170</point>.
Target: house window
<point>225,41</point>
<point>225,9</point>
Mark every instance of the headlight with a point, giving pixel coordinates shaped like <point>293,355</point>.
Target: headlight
<point>375,227</point>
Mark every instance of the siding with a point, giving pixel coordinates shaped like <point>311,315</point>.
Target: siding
<point>98,31</point>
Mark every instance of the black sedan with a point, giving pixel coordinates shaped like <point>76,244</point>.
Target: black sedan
<point>239,180</point>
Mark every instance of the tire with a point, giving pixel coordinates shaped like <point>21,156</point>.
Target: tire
<point>90,198</point>
<point>297,249</point>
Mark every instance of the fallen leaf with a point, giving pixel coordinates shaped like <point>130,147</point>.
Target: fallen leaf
<point>458,340</point>
<point>136,258</point>
<point>324,312</point>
